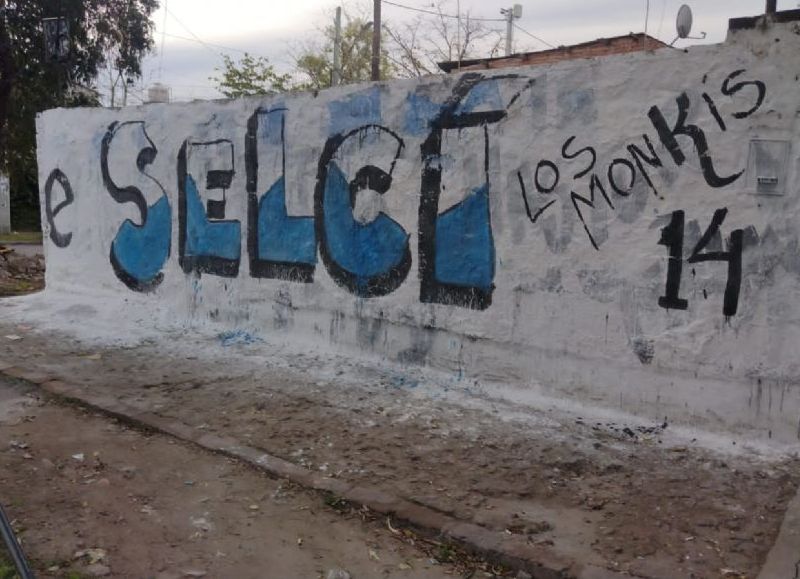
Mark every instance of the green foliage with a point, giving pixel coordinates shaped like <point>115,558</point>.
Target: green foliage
<point>314,66</point>
<point>446,553</point>
<point>7,568</point>
<point>21,237</point>
<point>99,31</point>
<point>315,63</point>
<point>336,503</point>
<point>248,77</point>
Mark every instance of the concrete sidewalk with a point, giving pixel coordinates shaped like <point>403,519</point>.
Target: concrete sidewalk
<point>544,491</point>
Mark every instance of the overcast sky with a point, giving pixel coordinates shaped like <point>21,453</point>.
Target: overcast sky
<point>196,32</point>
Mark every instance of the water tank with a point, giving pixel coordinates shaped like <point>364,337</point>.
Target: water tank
<point>158,93</point>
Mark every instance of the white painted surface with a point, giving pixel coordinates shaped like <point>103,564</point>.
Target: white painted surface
<point>5,204</point>
<point>565,320</point>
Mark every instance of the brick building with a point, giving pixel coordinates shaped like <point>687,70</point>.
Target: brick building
<point>594,48</point>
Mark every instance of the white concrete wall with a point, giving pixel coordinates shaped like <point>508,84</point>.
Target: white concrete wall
<point>541,292</point>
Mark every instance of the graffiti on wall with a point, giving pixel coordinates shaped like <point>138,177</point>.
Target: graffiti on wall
<point>279,246</point>
<point>351,231</point>
<point>139,250</point>
<point>672,237</point>
<point>622,173</point>
<point>208,242</point>
<point>59,239</point>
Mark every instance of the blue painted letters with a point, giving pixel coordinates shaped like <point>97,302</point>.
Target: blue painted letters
<point>280,246</point>
<point>138,252</point>
<point>208,242</point>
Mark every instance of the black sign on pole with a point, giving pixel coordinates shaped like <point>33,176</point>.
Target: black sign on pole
<point>56,38</point>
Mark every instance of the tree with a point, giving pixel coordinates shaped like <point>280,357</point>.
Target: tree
<point>417,46</point>
<point>117,82</point>
<point>408,49</point>
<point>250,76</point>
<point>315,62</point>
<point>99,31</point>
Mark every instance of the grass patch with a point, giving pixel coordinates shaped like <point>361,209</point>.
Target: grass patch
<point>445,553</point>
<point>338,504</point>
<point>18,288</point>
<point>21,237</point>
<point>7,569</point>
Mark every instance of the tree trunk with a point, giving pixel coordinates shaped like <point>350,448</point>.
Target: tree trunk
<point>7,75</point>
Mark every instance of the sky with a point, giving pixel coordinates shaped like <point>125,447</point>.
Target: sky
<point>191,35</point>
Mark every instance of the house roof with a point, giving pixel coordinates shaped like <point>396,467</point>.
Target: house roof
<point>600,47</point>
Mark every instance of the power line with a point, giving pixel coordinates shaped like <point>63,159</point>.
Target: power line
<point>219,46</point>
<point>186,28</point>
<point>172,75</point>
<point>521,29</point>
<point>206,44</point>
<point>208,86</point>
<point>395,4</point>
<point>163,32</point>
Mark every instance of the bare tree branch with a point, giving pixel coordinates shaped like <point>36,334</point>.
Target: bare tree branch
<point>415,48</point>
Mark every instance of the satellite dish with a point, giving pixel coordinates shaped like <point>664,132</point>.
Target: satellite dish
<point>684,25</point>
<point>684,21</point>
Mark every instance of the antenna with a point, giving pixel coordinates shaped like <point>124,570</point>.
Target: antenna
<point>511,14</point>
<point>683,25</point>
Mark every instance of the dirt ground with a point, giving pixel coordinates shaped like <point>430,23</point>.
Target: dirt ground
<point>21,269</point>
<point>91,497</point>
<point>630,498</point>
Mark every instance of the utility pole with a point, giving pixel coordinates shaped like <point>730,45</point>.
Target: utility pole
<point>376,40</point>
<point>772,6</point>
<point>337,48</point>
<point>511,14</point>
